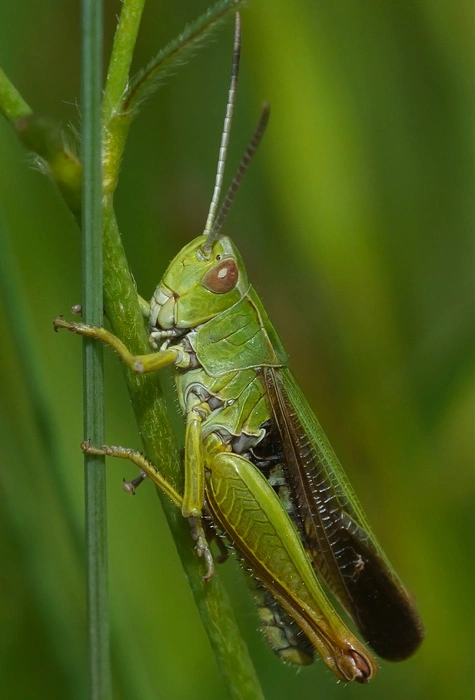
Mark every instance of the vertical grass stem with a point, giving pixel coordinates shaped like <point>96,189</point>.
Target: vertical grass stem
<point>92,282</point>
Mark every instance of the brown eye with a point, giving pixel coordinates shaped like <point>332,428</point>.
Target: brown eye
<point>222,277</point>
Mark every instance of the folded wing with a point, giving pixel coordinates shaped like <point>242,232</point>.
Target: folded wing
<point>336,533</point>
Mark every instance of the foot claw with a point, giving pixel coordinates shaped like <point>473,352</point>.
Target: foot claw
<point>58,323</point>
<point>202,546</point>
<point>131,486</point>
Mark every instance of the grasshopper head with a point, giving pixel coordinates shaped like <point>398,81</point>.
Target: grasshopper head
<point>198,284</point>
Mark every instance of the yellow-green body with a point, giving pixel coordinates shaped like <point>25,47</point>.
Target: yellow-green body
<point>243,339</point>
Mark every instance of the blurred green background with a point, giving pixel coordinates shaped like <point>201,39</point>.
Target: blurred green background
<point>355,221</point>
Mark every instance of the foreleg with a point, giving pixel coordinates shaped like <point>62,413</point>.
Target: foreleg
<point>140,364</point>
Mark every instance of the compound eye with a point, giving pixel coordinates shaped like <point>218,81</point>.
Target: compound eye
<point>222,277</point>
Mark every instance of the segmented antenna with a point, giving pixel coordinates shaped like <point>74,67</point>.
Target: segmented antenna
<point>226,127</point>
<point>243,166</point>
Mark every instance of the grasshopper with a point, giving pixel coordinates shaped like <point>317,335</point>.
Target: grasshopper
<point>256,459</point>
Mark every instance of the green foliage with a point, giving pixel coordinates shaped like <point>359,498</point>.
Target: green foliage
<point>355,226</point>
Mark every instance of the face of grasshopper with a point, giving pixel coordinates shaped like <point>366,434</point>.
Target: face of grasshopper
<point>198,285</point>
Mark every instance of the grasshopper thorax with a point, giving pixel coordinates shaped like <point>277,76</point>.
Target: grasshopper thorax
<point>197,286</point>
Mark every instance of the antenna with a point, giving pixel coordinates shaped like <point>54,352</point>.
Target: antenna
<point>226,127</point>
<point>213,222</point>
<point>243,166</point>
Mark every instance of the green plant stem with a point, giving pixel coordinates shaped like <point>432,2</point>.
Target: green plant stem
<point>42,136</point>
<point>92,300</point>
<point>54,157</point>
<point>12,104</point>
<point>121,57</point>
<point>114,120</point>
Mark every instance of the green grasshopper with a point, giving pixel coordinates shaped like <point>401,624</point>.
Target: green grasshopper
<point>256,459</point>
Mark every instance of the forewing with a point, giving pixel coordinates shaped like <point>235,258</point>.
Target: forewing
<point>336,532</point>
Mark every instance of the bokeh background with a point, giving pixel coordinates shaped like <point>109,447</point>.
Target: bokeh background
<point>356,222</point>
